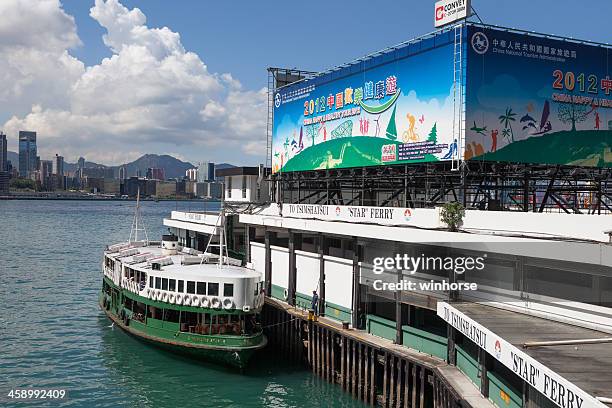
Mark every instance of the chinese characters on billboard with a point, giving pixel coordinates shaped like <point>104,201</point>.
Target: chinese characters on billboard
<point>398,109</point>
<point>532,99</point>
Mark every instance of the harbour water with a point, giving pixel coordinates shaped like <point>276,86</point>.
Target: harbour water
<point>54,336</point>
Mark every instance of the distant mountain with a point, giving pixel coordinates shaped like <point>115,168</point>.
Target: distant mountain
<point>173,167</point>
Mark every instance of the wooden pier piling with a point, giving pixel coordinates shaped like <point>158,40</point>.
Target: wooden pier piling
<point>367,368</point>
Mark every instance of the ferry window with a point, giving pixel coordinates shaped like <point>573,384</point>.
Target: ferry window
<point>150,281</point>
<point>228,289</point>
<point>180,286</point>
<point>213,289</point>
<point>157,283</point>
<point>172,284</point>
<point>164,283</point>
<point>190,287</point>
<point>201,288</point>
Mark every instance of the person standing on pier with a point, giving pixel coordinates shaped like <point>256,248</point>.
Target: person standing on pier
<point>315,302</point>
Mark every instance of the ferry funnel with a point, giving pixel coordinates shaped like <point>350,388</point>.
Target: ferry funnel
<point>169,244</point>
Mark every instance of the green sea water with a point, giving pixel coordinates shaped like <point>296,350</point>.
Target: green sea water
<point>54,336</point>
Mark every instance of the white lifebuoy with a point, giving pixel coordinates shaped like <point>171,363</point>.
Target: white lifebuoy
<point>195,300</point>
<point>171,297</point>
<point>286,294</point>
<point>228,304</point>
<point>187,300</point>
<point>215,303</point>
<point>179,299</point>
<point>204,301</point>
<point>164,296</point>
<point>157,294</point>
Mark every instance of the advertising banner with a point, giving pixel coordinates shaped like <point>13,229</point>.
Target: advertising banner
<point>532,99</point>
<point>556,388</point>
<point>396,108</point>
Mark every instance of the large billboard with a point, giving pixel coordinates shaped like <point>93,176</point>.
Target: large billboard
<point>391,109</point>
<point>532,99</point>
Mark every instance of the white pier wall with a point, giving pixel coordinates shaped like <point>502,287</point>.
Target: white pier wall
<point>280,266</point>
<point>307,272</point>
<point>339,281</point>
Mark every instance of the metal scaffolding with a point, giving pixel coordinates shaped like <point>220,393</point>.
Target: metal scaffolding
<point>483,185</point>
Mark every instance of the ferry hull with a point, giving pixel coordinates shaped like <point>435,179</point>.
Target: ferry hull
<point>229,356</point>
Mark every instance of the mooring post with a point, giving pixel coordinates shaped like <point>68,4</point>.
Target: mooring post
<point>359,371</point>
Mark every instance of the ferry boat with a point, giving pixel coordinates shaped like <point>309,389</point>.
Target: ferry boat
<point>192,302</point>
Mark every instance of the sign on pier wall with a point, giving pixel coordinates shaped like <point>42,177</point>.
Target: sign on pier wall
<point>556,388</point>
<point>362,214</point>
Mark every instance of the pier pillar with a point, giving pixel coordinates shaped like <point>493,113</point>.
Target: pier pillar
<point>268,238</point>
<point>451,334</point>
<point>398,311</point>
<point>322,250</point>
<point>356,289</point>
<point>295,242</point>
<point>485,365</point>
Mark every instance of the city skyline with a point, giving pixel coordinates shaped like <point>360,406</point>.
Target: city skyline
<point>125,78</point>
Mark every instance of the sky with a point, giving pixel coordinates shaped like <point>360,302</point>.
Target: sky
<point>111,80</point>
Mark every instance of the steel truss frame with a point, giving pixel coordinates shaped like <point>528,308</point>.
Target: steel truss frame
<point>478,185</point>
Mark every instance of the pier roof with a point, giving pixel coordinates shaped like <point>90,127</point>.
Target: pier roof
<point>588,366</point>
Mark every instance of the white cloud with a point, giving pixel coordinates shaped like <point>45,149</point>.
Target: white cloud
<point>151,95</point>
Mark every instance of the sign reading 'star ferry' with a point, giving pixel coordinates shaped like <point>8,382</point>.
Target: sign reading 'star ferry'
<point>556,388</point>
<point>449,11</point>
<point>361,214</point>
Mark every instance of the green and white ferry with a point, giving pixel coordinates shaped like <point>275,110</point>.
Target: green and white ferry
<point>191,302</point>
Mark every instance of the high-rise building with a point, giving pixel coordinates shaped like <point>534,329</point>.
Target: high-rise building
<point>3,153</point>
<point>27,153</point>
<point>46,171</point>
<point>206,172</point>
<point>122,173</point>
<point>154,173</point>
<point>191,174</point>
<point>59,165</point>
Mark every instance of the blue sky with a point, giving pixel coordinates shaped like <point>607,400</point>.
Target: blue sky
<point>113,84</point>
<point>244,37</point>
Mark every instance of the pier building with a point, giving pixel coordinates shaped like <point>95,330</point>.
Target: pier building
<point>362,161</point>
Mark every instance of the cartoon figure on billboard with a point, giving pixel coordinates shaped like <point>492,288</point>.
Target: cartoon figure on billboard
<point>494,134</point>
<point>452,150</point>
<point>410,135</point>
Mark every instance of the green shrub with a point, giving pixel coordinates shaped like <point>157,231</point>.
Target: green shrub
<point>452,215</point>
